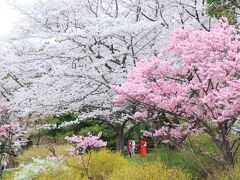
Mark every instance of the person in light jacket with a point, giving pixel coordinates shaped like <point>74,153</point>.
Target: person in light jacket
<point>4,161</point>
<point>132,145</point>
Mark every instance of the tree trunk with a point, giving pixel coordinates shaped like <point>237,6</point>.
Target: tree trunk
<point>155,143</point>
<point>226,152</point>
<point>119,139</point>
<point>38,139</point>
<point>224,145</point>
<point>228,157</point>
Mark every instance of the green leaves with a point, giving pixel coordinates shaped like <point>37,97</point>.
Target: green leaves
<point>222,106</point>
<point>218,9</point>
<point>38,75</point>
<point>5,77</point>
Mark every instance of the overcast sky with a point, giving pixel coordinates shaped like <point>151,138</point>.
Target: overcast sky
<point>8,16</point>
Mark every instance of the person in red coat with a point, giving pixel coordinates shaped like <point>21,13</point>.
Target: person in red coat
<point>129,147</point>
<point>143,145</point>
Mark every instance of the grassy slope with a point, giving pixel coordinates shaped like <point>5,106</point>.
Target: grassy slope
<point>185,160</point>
<point>197,165</point>
<point>41,152</point>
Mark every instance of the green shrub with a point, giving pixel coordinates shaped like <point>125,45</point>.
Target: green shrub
<point>146,170</point>
<point>105,163</point>
<point>102,165</point>
<point>88,125</point>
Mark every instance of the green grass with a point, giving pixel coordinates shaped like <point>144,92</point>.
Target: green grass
<point>41,152</point>
<point>9,174</point>
<point>185,159</point>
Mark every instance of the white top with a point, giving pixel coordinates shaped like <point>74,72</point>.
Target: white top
<point>133,144</point>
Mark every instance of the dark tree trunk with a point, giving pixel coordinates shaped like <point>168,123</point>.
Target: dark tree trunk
<point>228,157</point>
<point>155,143</point>
<point>224,145</point>
<point>226,153</point>
<point>225,149</point>
<point>11,160</point>
<point>121,136</point>
<point>38,139</point>
<point>119,139</point>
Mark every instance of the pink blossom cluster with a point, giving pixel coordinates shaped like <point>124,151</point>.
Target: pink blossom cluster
<point>71,151</point>
<point>169,135</point>
<point>173,134</point>
<point>139,114</point>
<point>88,142</point>
<point>164,131</point>
<point>7,128</point>
<point>200,82</point>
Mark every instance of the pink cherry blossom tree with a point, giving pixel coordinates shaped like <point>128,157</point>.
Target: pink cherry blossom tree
<point>10,135</point>
<point>86,143</point>
<point>197,79</point>
<point>9,139</point>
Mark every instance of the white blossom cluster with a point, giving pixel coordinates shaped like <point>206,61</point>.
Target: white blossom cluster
<point>46,127</point>
<point>38,166</point>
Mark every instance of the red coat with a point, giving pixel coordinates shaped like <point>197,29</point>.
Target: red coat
<point>143,150</point>
<point>129,146</point>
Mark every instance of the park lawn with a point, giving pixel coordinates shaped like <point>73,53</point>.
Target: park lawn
<point>42,151</point>
<point>185,159</point>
